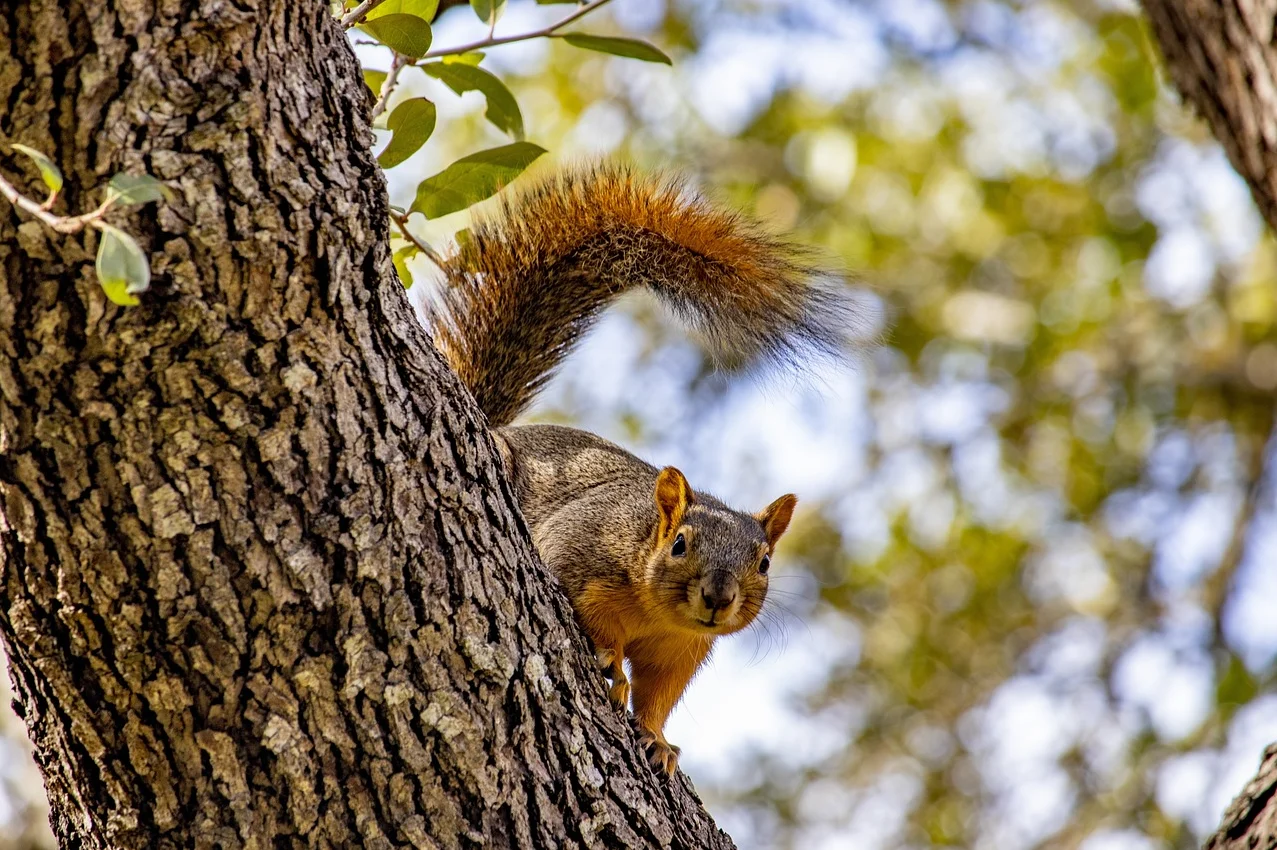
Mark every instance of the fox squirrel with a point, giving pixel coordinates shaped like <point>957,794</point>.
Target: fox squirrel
<point>655,570</point>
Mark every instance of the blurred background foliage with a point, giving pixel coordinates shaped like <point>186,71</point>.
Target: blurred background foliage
<point>1031,596</point>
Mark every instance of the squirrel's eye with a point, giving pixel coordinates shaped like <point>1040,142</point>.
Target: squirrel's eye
<point>680,547</point>
<point>765,564</point>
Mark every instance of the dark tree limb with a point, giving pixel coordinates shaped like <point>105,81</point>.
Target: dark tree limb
<point>261,581</point>
<point>1221,56</point>
<point>1251,821</point>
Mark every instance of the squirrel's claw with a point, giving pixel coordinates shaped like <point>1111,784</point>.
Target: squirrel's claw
<point>661,754</point>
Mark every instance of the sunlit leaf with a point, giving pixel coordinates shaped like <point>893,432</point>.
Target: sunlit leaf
<point>503,110</point>
<point>375,80</point>
<point>117,291</point>
<point>474,57</point>
<point>49,173</point>
<point>631,48</point>
<point>128,189</point>
<point>424,9</point>
<point>121,266</point>
<point>406,34</point>
<point>411,122</point>
<point>400,259</point>
<point>473,178</point>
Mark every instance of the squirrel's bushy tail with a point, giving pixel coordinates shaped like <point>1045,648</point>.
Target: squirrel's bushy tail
<point>534,276</point>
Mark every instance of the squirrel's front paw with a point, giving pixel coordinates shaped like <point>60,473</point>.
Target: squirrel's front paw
<point>609,661</point>
<point>662,755</point>
<point>619,693</point>
<point>605,658</point>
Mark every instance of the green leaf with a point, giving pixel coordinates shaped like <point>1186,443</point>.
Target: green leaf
<point>424,9</point>
<point>49,173</point>
<point>462,238</point>
<point>473,178</point>
<point>503,110</point>
<point>631,48</point>
<point>400,259</point>
<point>412,122</point>
<point>122,267</point>
<point>474,57</point>
<point>489,11</point>
<point>375,80</point>
<point>1236,686</point>
<point>406,34</point>
<point>128,189</point>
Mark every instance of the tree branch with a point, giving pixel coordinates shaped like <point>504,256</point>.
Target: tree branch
<point>544,32</point>
<point>397,63</point>
<point>1221,58</point>
<point>1251,820</point>
<point>401,220</point>
<point>356,15</point>
<point>60,223</point>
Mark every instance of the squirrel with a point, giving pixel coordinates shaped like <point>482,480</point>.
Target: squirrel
<point>655,571</point>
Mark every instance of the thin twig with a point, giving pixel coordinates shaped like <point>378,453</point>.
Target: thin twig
<point>544,32</point>
<point>60,223</point>
<point>1216,587</point>
<point>401,219</point>
<point>355,15</point>
<point>397,63</point>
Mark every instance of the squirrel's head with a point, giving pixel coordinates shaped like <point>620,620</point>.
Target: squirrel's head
<point>709,568</point>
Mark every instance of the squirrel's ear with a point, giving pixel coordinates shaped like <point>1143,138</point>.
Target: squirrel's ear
<point>775,517</point>
<point>673,495</point>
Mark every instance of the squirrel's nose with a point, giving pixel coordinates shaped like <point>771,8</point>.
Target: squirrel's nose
<point>716,596</point>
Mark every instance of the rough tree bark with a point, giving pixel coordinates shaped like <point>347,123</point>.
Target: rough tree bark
<point>1221,56</point>
<point>261,581</point>
<point>1251,821</point>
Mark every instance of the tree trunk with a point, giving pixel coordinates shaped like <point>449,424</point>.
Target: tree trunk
<point>261,581</point>
<point>1251,821</point>
<point>1222,59</point>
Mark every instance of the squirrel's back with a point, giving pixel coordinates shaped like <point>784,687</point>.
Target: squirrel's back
<point>534,276</point>
<point>556,464</point>
<point>587,502</point>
